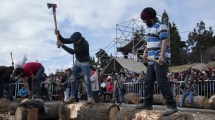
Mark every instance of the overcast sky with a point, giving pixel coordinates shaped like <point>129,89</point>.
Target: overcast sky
<point>27,26</point>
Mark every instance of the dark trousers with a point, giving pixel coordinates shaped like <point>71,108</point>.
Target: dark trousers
<point>37,81</point>
<point>158,73</point>
<point>96,96</point>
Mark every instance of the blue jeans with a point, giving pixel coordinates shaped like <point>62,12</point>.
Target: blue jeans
<point>190,94</point>
<point>156,72</point>
<point>79,67</point>
<point>38,79</point>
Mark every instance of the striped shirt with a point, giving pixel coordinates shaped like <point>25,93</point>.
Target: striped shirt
<point>154,36</point>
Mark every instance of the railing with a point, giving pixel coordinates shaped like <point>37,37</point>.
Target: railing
<point>205,88</point>
<point>51,90</point>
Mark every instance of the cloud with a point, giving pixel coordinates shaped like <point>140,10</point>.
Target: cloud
<point>28,27</point>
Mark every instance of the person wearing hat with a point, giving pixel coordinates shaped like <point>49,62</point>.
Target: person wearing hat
<point>82,63</point>
<point>157,38</point>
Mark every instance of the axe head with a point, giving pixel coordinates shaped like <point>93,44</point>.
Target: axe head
<point>51,5</point>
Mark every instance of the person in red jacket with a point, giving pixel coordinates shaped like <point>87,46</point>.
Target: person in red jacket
<point>31,74</point>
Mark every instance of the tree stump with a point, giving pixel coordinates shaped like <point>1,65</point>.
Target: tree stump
<point>5,105</point>
<point>198,102</point>
<point>52,113</point>
<point>127,113</point>
<point>212,102</point>
<point>132,98</point>
<point>98,111</point>
<point>158,99</point>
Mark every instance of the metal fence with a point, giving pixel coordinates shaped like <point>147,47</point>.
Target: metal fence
<point>205,88</point>
<point>52,90</point>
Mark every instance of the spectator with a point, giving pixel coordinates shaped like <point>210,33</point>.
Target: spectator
<point>5,73</point>
<point>23,92</point>
<point>66,83</point>
<point>94,83</point>
<point>110,88</point>
<point>212,75</point>
<point>191,90</point>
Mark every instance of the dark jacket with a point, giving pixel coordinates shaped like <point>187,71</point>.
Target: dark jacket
<point>81,50</point>
<point>5,73</point>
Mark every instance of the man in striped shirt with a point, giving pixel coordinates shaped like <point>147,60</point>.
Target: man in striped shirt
<point>157,39</point>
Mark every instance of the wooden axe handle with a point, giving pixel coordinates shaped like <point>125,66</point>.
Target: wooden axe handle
<point>150,59</point>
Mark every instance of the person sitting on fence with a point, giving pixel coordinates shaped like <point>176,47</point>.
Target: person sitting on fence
<point>23,93</point>
<point>191,90</point>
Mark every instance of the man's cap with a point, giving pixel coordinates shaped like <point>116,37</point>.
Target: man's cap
<point>75,36</point>
<point>148,13</point>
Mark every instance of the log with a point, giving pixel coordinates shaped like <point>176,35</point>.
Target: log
<point>132,98</point>
<point>212,102</point>
<point>67,111</point>
<point>53,111</point>
<point>198,102</point>
<point>128,113</point>
<point>5,105</point>
<point>51,114</point>
<point>158,99</point>
<point>14,104</point>
<point>98,111</point>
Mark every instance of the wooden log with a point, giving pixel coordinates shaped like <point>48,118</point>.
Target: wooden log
<point>212,102</point>
<point>98,111</point>
<point>158,99</point>
<point>132,98</point>
<point>128,113</point>
<point>51,114</point>
<point>5,105</point>
<point>198,102</point>
<point>67,111</point>
<point>53,111</point>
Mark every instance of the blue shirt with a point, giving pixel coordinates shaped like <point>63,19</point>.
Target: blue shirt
<point>22,92</point>
<point>154,36</point>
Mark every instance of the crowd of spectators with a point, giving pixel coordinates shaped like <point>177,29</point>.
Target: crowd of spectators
<point>111,88</point>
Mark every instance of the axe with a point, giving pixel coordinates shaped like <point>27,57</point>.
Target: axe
<point>54,6</point>
<point>154,60</point>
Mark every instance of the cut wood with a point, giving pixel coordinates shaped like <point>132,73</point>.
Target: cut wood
<point>98,111</point>
<point>132,98</point>
<point>158,99</point>
<point>212,102</point>
<point>67,111</point>
<point>5,105</point>
<point>198,102</point>
<point>127,113</point>
<point>52,112</point>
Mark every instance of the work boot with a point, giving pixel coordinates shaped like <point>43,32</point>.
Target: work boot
<point>71,100</point>
<point>90,100</point>
<point>144,107</point>
<point>170,110</point>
